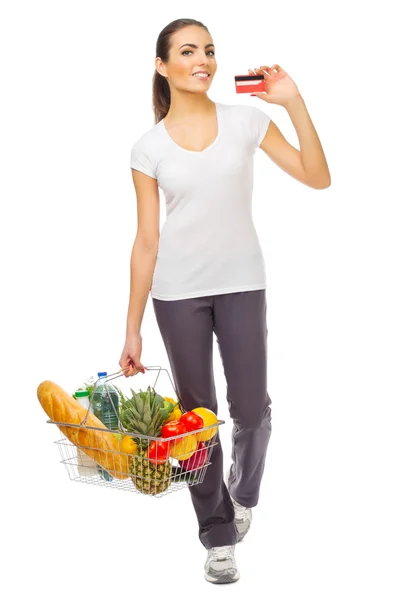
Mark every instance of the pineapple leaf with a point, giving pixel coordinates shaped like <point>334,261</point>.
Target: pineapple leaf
<point>143,428</point>
<point>147,412</point>
<point>160,400</point>
<point>138,402</point>
<point>133,412</point>
<point>154,425</point>
<point>153,403</point>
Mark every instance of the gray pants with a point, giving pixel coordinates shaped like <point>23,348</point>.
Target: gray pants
<point>239,323</point>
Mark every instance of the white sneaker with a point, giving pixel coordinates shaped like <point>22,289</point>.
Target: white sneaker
<point>243,515</point>
<point>220,565</point>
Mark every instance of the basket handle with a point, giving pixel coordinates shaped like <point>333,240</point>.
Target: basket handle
<point>149,368</point>
<point>129,367</point>
<point>159,368</point>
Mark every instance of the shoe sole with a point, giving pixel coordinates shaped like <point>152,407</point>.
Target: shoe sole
<point>224,578</point>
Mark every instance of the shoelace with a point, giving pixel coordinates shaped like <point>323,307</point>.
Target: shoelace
<point>221,552</point>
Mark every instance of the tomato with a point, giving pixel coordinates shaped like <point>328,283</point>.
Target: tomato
<point>192,421</point>
<point>158,452</point>
<point>173,428</point>
<point>197,460</point>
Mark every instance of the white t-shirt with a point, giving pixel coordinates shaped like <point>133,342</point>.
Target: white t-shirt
<point>208,243</point>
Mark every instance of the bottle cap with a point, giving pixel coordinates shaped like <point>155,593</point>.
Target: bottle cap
<point>102,374</point>
<point>81,393</point>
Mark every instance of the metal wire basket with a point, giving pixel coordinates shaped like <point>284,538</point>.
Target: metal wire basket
<point>97,456</point>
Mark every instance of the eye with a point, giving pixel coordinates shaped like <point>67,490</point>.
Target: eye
<point>190,51</point>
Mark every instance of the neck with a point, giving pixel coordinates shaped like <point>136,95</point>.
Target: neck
<point>189,106</point>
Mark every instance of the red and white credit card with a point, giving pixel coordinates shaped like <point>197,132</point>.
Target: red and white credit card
<point>249,84</point>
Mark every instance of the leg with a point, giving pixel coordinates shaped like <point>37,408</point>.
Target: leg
<point>186,327</point>
<point>241,330</point>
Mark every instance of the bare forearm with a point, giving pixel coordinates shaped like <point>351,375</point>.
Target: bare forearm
<point>311,151</point>
<point>142,264</point>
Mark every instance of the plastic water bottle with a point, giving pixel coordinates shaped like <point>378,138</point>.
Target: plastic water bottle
<point>106,406</point>
<point>104,410</point>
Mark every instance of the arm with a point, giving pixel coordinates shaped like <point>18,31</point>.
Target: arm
<point>145,248</point>
<point>142,265</point>
<point>309,165</point>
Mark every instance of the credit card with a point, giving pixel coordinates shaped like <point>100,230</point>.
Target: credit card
<point>249,84</point>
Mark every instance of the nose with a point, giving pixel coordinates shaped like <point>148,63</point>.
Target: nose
<point>203,65</point>
<point>204,60</point>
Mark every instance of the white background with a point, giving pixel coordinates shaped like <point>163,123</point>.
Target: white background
<point>76,81</point>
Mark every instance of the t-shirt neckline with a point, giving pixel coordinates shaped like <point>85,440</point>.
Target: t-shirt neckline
<point>215,141</point>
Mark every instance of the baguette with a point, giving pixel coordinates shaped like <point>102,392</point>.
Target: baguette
<point>103,447</point>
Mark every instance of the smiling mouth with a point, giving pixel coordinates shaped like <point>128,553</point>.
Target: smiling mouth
<point>201,76</point>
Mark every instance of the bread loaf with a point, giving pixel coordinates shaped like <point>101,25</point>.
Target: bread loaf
<point>101,446</point>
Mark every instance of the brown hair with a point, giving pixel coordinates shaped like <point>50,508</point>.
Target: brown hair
<point>161,89</point>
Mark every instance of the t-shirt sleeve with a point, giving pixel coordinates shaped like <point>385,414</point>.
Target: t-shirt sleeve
<point>258,122</point>
<point>142,160</point>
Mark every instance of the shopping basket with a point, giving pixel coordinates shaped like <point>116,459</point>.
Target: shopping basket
<point>97,456</point>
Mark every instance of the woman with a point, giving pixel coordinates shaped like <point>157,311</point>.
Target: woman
<point>206,271</point>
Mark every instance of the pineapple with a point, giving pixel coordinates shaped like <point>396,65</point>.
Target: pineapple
<point>148,477</point>
<point>145,413</point>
